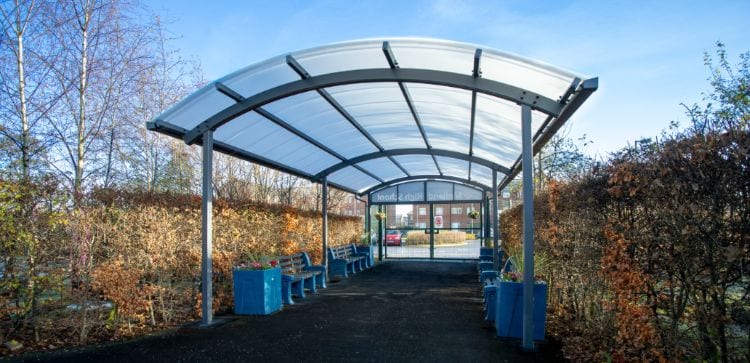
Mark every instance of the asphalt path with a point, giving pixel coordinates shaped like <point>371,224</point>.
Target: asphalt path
<point>398,311</point>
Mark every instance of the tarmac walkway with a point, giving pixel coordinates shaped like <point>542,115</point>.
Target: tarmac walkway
<point>397,311</point>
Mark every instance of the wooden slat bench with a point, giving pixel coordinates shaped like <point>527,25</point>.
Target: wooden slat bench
<point>298,274</point>
<point>342,260</point>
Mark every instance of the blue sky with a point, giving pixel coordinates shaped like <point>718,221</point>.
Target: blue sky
<point>648,55</point>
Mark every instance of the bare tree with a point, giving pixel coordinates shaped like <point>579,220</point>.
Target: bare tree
<point>152,161</point>
<point>562,159</point>
<point>104,57</point>
<point>24,79</point>
<point>286,188</point>
<point>233,178</point>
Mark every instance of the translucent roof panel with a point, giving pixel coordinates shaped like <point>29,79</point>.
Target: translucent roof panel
<point>196,108</point>
<point>418,164</point>
<point>533,76</point>
<point>382,110</point>
<point>481,174</point>
<point>348,56</point>
<point>341,109</point>
<point>445,113</point>
<point>353,178</point>
<point>508,68</point>
<point>437,55</point>
<point>260,77</point>
<point>453,167</point>
<point>384,168</point>
<point>254,133</point>
<point>497,130</point>
<point>313,115</point>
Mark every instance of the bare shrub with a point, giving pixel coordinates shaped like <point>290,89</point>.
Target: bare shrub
<point>414,238</point>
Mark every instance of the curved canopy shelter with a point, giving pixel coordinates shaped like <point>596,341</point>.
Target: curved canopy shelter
<point>362,114</point>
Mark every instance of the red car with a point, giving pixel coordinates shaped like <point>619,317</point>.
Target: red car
<point>393,238</point>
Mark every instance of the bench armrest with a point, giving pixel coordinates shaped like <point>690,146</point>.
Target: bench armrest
<point>315,268</point>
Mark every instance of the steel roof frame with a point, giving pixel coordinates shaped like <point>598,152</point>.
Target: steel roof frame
<point>376,75</point>
<point>558,112</point>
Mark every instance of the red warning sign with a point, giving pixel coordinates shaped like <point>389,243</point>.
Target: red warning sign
<point>438,221</point>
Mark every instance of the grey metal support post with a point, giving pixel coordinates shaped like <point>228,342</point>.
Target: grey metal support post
<point>487,224</point>
<point>325,221</point>
<point>528,231</point>
<point>368,224</point>
<point>380,235</point>
<point>499,230</point>
<point>481,223</point>
<point>207,229</point>
<point>432,231</point>
<point>495,232</point>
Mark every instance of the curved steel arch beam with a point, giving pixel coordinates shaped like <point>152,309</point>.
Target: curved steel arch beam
<point>482,187</point>
<point>396,152</point>
<point>427,76</point>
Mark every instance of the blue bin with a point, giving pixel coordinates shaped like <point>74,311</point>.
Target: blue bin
<point>509,309</point>
<point>257,292</point>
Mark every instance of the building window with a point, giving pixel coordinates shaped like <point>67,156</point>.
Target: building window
<point>422,211</point>
<point>456,210</point>
<point>438,211</point>
<point>421,225</point>
<point>456,224</point>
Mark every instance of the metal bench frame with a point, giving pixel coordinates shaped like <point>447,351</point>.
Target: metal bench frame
<point>298,274</point>
<point>342,260</point>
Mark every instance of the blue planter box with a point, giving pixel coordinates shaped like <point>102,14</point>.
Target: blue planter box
<point>509,309</point>
<point>257,292</point>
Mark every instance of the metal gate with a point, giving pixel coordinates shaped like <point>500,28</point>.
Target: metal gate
<point>429,230</point>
